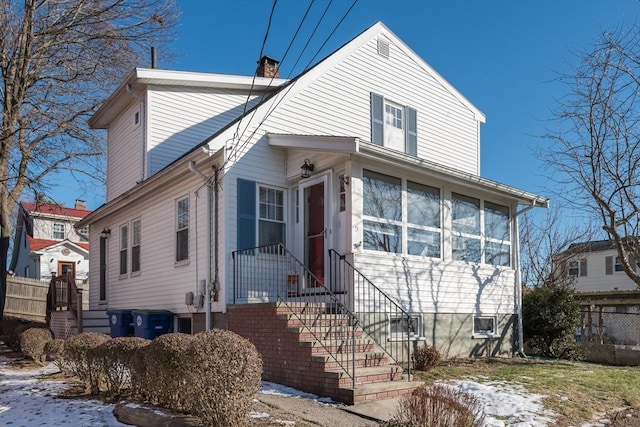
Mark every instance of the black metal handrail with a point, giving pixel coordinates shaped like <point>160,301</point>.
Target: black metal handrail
<point>391,326</point>
<point>272,273</point>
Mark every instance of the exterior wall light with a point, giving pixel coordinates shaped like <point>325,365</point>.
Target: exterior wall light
<point>306,167</point>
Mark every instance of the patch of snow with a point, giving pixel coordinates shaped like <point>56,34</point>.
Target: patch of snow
<point>508,404</point>
<point>254,414</point>
<point>284,391</point>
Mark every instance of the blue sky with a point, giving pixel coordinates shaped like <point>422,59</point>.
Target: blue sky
<point>503,55</point>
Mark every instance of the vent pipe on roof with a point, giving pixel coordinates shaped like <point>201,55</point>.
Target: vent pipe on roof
<point>153,57</point>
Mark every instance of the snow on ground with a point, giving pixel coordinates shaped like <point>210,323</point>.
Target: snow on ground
<point>27,401</point>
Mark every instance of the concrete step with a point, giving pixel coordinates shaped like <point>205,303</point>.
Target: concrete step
<point>366,375</point>
<point>365,359</point>
<point>376,391</point>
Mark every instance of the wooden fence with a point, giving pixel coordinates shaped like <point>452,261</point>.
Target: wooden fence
<point>26,299</point>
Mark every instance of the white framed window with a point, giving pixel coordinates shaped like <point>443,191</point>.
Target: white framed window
<point>485,326</point>
<point>271,218</point>
<point>480,231</point>
<point>574,269</point>
<point>497,235</point>
<point>389,227</point>
<point>617,265</point>
<point>394,125</point>
<point>466,237</point>
<point>182,229</point>
<point>124,248</point>
<point>401,326</point>
<point>84,233</point>
<point>58,231</point>
<point>135,245</point>
<point>382,212</point>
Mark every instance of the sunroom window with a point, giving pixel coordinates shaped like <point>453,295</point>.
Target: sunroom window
<point>497,234</point>
<point>423,217</point>
<point>466,228</point>
<point>383,212</point>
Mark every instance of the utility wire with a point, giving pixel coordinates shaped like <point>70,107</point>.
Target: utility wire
<point>286,91</point>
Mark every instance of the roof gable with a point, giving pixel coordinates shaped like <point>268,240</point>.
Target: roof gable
<point>53,209</point>
<point>42,244</point>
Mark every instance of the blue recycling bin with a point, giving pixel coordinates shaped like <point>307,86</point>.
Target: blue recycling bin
<point>121,323</point>
<point>150,324</point>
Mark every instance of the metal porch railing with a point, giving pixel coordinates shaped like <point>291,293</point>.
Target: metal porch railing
<point>272,273</point>
<point>391,326</point>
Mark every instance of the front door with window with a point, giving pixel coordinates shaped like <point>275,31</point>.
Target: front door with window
<point>67,267</point>
<point>315,210</point>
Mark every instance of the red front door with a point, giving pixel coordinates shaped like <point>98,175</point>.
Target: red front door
<point>314,197</point>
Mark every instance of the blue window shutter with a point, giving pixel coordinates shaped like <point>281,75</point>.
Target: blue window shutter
<point>411,132</point>
<point>246,210</point>
<point>377,119</point>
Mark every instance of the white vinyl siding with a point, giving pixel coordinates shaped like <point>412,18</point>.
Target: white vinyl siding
<point>124,156</point>
<point>180,118</point>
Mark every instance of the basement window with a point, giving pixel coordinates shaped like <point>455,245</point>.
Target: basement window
<point>400,326</point>
<point>485,326</point>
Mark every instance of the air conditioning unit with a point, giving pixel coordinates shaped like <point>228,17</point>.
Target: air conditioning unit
<point>188,298</point>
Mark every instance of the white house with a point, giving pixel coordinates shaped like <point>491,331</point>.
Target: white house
<point>609,299</point>
<point>46,243</point>
<point>368,163</point>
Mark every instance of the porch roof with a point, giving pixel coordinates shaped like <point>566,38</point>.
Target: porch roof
<point>366,150</point>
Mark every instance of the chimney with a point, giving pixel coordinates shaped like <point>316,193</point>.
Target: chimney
<point>81,204</point>
<point>268,67</point>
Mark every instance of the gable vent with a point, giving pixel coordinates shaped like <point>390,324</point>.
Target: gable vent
<point>383,48</point>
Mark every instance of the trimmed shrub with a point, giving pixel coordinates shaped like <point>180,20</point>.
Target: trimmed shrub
<point>114,358</point>
<point>33,341</point>
<point>550,317</point>
<point>224,376</point>
<point>425,357</point>
<point>438,406</point>
<point>158,373</point>
<point>54,350</point>
<point>12,329</point>
<point>80,362</point>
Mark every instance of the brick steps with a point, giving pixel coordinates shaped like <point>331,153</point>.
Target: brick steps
<point>312,348</point>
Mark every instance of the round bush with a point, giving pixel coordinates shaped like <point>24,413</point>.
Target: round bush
<point>157,374</point>
<point>33,341</point>
<point>224,376</point>
<point>54,349</point>
<point>114,359</point>
<point>80,362</point>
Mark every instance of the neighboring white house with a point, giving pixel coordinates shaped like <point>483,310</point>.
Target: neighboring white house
<point>370,153</point>
<point>609,299</point>
<point>47,244</point>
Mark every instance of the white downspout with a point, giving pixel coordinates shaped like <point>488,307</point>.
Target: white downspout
<point>207,296</point>
<point>518,278</point>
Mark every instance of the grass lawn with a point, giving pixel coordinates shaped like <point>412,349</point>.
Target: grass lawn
<point>573,390</point>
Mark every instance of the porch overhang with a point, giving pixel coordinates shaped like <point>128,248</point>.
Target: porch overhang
<point>368,151</point>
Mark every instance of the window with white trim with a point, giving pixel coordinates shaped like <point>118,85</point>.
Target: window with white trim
<point>480,231</point>
<point>182,229</point>
<point>135,245</point>
<point>124,248</point>
<point>58,231</point>
<point>387,227</point>
<point>271,220</point>
<point>84,233</point>
<point>497,235</point>
<point>401,326</point>
<point>574,268</point>
<point>466,237</point>
<point>485,326</point>
<point>617,265</point>
<point>394,125</point>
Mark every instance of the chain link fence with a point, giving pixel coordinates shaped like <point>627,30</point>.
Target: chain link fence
<point>610,334</point>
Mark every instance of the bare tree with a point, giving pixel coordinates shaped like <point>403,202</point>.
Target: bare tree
<point>595,152</point>
<point>58,60</point>
<point>544,242</point>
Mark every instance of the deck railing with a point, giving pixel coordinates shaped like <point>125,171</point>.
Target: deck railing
<point>65,295</point>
